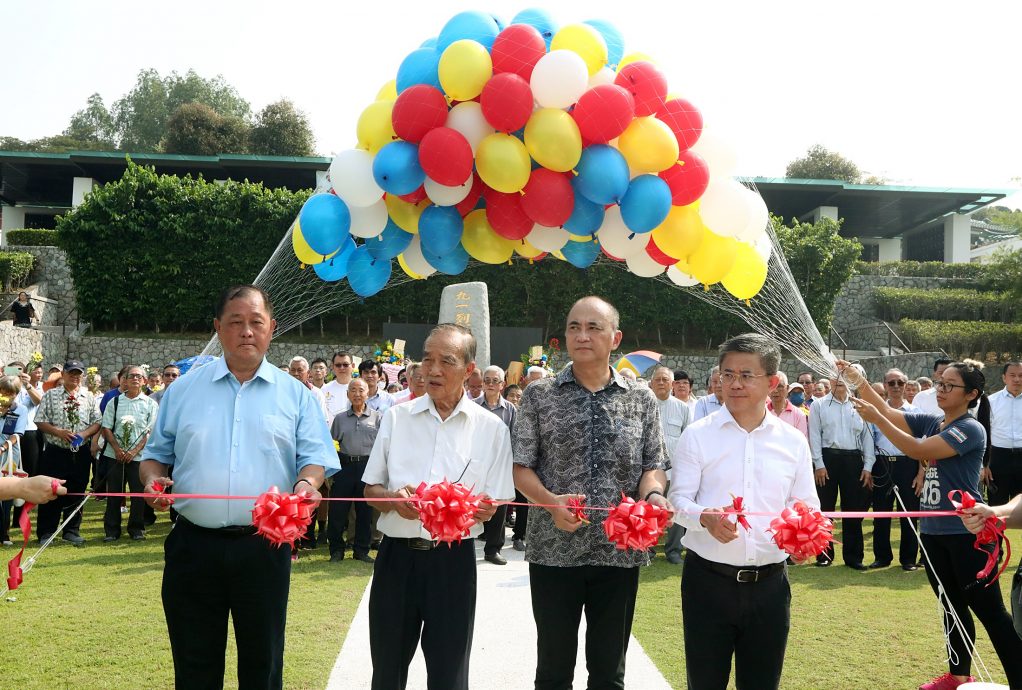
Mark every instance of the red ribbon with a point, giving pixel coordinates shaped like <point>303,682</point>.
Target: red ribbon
<point>738,510</point>
<point>282,518</point>
<point>635,524</point>
<point>14,574</point>
<point>447,510</point>
<point>577,506</point>
<point>802,532</point>
<point>992,533</point>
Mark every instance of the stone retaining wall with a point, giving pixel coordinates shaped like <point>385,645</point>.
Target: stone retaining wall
<point>53,276</point>
<point>855,307</point>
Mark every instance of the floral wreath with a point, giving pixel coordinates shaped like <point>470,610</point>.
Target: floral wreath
<point>386,354</point>
<point>553,347</point>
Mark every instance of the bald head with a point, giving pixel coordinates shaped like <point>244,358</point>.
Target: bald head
<point>602,306</point>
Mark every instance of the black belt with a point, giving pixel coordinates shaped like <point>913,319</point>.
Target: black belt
<point>1012,451</point>
<point>418,544</point>
<point>893,457</point>
<point>746,575</point>
<point>352,459</point>
<point>229,531</point>
<point>842,451</point>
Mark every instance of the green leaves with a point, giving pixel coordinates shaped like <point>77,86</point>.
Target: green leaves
<point>14,269</point>
<point>963,338</point>
<point>962,304</point>
<point>32,237</point>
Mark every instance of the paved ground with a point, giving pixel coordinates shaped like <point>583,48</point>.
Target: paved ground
<point>503,655</point>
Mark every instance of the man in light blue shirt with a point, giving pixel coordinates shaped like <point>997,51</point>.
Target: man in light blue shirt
<point>711,402</point>
<point>236,426</point>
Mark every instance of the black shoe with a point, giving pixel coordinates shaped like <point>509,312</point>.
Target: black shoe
<point>76,539</point>
<point>43,537</point>
<point>495,559</point>
<point>856,566</point>
<point>825,563</point>
<point>876,565</point>
<point>518,544</point>
<point>375,545</point>
<point>337,557</point>
<point>364,557</point>
<point>911,567</point>
<point>107,539</point>
<point>138,537</point>
<point>675,558</point>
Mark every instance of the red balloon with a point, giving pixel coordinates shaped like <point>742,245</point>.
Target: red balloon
<point>517,49</point>
<point>507,102</point>
<point>548,198</point>
<point>506,216</point>
<point>687,178</point>
<point>414,197</point>
<point>646,83</point>
<point>417,110</point>
<point>657,255</point>
<point>603,112</point>
<point>684,119</point>
<point>468,203</point>
<point>446,156</point>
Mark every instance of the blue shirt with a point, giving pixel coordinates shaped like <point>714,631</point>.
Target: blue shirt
<point>226,437</point>
<point>13,425</point>
<point>107,397</point>
<point>706,406</point>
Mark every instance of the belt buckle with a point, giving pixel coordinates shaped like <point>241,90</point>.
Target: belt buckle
<point>746,576</point>
<point>420,544</point>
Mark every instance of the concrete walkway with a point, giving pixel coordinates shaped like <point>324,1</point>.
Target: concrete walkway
<point>504,642</point>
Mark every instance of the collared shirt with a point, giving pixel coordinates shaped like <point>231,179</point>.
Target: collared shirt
<point>157,396</point>
<point>415,445</point>
<point>503,409</point>
<point>1005,419</point>
<point>54,408</point>
<point>836,424</point>
<point>583,442</point>
<point>691,404</point>
<point>674,417</point>
<point>321,399</point>
<point>926,401</point>
<point>401,396</point>
<point>881,443</point>
<point>226,437</point>
<point>795,416</point>
<point>12,424</point>
<point>356,432</point>
<point>140,410</point>
<point>30,407</point>
<point>335,394</point>
<point>381,402</point>
<point>706,406</point>
<point>717,459</point>
<point>107,397</point>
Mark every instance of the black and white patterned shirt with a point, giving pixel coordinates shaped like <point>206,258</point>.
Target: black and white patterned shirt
<point>580,442</point>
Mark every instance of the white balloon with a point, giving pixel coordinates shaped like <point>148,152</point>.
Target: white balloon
<point>718,153</point>
<point>606,75</point>
<point>351,175</point>
<point>415,261</point>
<point>681,278</point>
<point>724,207</point>
<point>547,239</point>
<point>368,221</point>
<point>763,246</point>
<point>467,118</point>
<point>559,79</point>
<point>759,216</point>
<point>442,195</point>
<point>617,238</point>
<point>643,265</point>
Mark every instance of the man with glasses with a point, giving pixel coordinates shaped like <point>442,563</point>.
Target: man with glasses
<point>336,392</point>
<point>492,400</point>
<point>894,469</point>
<point>372,372</point>
<point>1005,469</point>
<point>681,388</point>
<point>170,374</point>
<point>926,399</point>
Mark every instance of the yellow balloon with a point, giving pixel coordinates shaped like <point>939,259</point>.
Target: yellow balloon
<point>465,67</point>
<point>580,238</point>
<point>387,92</point>
<point>648,145</point>
<point>713,259</point>
<point>553,140</point>
<point>404,267</point>
<point>586,42</point>
<point>374,129</point>
<point>634,57</point>
<point>681,232</point>
<point>303,251</point>
<point>482,243</point>
<point>503,162</point>
<point>747,277</point>
<point>404,214</point>
<point>558,255</point>
<point>526,250</point>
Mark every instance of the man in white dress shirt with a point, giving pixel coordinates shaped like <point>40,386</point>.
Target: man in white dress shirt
<point>422,587</point>
<point>735,597</point>
<point>711,402</point>
<point>336,392</point>
<point>1005,467</point>
<point>926,399</point>
<point>674,417</point>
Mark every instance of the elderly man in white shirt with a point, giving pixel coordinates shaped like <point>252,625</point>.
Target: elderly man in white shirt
<point>735,597</point>
<point>1005,469</point>
<point>674,417</point>
<point>422,587</point>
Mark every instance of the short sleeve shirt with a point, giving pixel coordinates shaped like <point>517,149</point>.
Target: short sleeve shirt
<point>75,412</point>
<point>969,440</point>
<point>356,433</point>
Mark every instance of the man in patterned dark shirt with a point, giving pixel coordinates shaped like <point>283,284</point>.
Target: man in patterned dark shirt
<point>585,433</point>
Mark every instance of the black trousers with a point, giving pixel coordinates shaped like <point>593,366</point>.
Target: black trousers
<point>890,472</point>
<point>521,516</point>
<point>1006,466</point>
<point>208,575</point>
<point>844,469</point>
<point>431,594</point>
<point>61,463</point>
<point>559,596</point>
<point>348,484</point>
<point>723,618</point>
<point>493,532</point>
<point>31,447</point>
<point>953,559</point>
<point>112,476</point>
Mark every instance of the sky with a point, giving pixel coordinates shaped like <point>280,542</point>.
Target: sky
<point>919,93</point>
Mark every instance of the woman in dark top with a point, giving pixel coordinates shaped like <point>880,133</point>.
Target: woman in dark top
<point>951,445</point>
<point>23,311</point>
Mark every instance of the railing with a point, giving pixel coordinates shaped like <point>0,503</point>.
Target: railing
<point>830,342</point>
<point>881,327</point>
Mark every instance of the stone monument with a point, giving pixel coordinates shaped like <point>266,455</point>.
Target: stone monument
<point>468,305</point>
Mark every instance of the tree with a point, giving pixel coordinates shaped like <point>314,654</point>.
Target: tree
<point>821,164</point>
<point>93,123</point>
<point>13,144</point>
<point>215,92</point>
<point>281,130</point>
<point>197,129</point>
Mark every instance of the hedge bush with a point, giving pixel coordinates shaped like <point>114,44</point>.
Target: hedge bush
<point>963,338</point>
<point>956,304</point>
<point>32,237</point>
<point>14,269</point>
<point>924,269</point>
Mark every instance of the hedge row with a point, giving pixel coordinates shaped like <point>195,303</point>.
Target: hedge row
<point>955,304</point>
<point>925,269</point>
<point>963,338</point>
<point>14,269</point>
<point>32,237</point>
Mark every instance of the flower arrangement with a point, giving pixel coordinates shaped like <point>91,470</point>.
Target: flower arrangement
<point>127,430</point>
<point>36,357</point>
<point>90,377</point>
<point>553,347</point>
<point>386,354</point>
<point>71,411</point>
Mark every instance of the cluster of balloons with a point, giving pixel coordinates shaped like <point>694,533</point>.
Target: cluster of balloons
<point>534,140</point>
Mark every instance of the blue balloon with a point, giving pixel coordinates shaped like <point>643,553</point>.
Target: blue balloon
<point>476,26</point>
<point>602,174</point>
<point>500,22</point>
<point>540,20</point>
<point>581,254</point>
<point>440,229</point>
<point>586,217</point>
<point>336,267</point>
<point>429,42</point>
<point>389,243</point>
<point>367,275</point>
<point>325,222</point>
<point>451,263</point>
<point>646,203</point>
<point>612,37</point>
<point>396,168</point>
<point>421,66</point>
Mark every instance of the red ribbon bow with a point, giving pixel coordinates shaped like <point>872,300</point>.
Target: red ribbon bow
<point>159,488</point>
<point>14,574</point>
<point>738,510</point>
<point>992,533</point>
<point>447,510</point>
<point>577,506</point>
<point>802,532</point>
<point>282,518</point>
<point>635,524</point>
